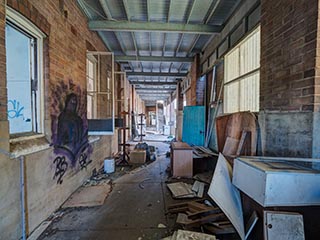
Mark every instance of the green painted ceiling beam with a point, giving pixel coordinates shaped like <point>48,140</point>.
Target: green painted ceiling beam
<point>126,26</point>
<point>152,59</point>
<point>153,83</point>
<point>156,74</point>
<point>154,89</point>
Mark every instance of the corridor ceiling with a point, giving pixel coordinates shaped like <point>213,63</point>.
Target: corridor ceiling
<point>155,40</point>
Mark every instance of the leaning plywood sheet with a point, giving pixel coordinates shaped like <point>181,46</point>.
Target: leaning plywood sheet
<point>232,125</point>
<point>226,195</point>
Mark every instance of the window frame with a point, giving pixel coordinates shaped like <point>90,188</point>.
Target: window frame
<point>239,77</point>
<point>16,19</point>
<point>98,91</point>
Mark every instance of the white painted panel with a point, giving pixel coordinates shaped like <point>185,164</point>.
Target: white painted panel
<point>249,93</point>
<point>231,96</point>
<point>250,53</point>
<point>243,93</point>
<point>232,65</point>
<point>226,195</point>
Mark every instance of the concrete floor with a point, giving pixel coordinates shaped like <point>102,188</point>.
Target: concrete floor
<point>134,209</point>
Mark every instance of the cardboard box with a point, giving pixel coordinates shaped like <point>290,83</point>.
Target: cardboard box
<point>138,156</point>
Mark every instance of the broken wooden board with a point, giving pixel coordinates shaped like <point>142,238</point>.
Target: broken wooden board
<point>244,147</point>
<point>220,229</point>
<point>185,220</point>
<point>181,190</point>
<point>226,195</point>
<point>188,235</point>
<point>192,207</point>
<point>88,196</point>
<point>230,146</point>
<point>205,177</point>
<point>232,125</point>
<point>198,188</point>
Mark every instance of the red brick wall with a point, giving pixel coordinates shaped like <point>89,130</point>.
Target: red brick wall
<point>191,94</point>
<point>3,89</point>
<point>66,43</point>
<point>288,55</point>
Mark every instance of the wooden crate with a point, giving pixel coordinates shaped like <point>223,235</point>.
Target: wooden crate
<point>138,156</point>
<point>181,160</point>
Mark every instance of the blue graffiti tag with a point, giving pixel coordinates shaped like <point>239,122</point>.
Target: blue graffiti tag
<point>14,109</point>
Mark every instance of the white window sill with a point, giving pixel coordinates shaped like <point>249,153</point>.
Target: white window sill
<point>22,146</point>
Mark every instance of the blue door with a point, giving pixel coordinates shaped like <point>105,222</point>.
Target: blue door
<point>193,130</point>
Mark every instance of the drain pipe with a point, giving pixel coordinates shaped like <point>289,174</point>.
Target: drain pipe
<point>22,198</point>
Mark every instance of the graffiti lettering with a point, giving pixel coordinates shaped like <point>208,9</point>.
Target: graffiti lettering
<point>14,109</point>
<point>83,161</point>
<point>61,168</point>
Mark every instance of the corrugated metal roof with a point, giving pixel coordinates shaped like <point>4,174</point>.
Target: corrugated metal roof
<point>141,37</point>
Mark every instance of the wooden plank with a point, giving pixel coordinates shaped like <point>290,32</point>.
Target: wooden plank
<point>195,186</point>
<point>227,229</point>
<point>180,145</point>
<point>182,163</point>
<point>200,190</point>
<point>183,219</point>
<point>232,125</point>
<point>244,147</point>
<point>202,213</point>
<point>180,189</point>
<point>230,146</point>
<point>188,235</point>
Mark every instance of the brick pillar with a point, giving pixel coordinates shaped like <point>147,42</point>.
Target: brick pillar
<point>289,103</point>
<point>4,123</point>
<point>179,113</point>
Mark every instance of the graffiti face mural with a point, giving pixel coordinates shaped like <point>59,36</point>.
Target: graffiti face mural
<point>72,137</point>
<point>69,130</point>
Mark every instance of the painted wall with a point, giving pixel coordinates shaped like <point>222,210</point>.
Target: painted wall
<point>57,164</point>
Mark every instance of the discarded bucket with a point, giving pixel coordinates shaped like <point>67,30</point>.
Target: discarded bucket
<point>109,165</point>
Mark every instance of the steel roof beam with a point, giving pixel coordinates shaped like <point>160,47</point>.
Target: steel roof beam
<point>152,59</point>
<point>153,83</point>
<point>157,74</point>
<point>154,89</point>
<point>128,26</point>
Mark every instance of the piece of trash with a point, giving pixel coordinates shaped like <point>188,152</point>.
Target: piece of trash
<point>122,169</point>
<point>160,225</point>
<point>141,183</point>
<point>208,203</point>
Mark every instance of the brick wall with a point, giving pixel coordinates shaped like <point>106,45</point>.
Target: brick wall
<point>288,55</point>
<point>66,43</point>
<point>3,89</point>
<point>65,47</point>
<point>191,94</point>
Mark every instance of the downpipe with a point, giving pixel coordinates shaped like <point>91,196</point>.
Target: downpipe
<point>22,198</point>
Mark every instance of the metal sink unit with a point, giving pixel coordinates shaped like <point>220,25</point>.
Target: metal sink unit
<point>278,181</point>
